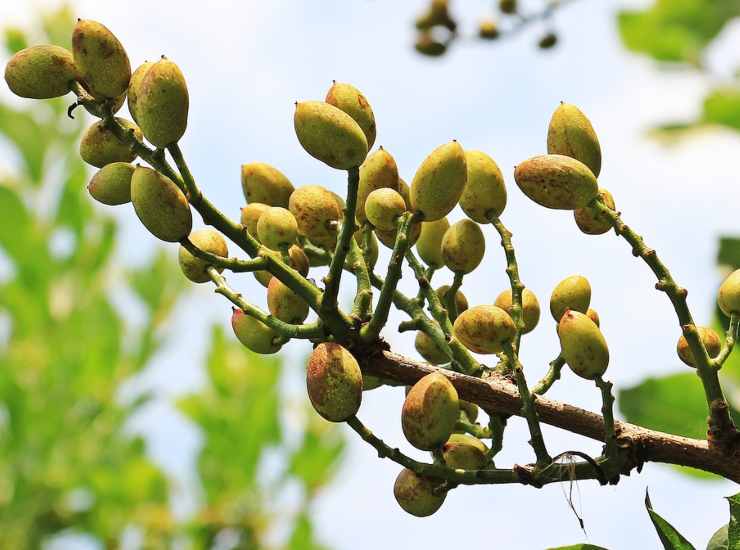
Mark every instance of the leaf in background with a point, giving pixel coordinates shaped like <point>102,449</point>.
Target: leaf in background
<point>15,39</point>
<point>302,537</point>
<point>733,530</point>
<point>316,460</point>
<point>722,106</point>
<point>671,539</point>
<point>719,540</point>
<point>675,30</point>
<point>15,226</point>
<point>582,546</point>
<point>158,284</point>
<point>728,253</point>
<point>28,136</point>
<point>58,26</point>
<point>75,207</point>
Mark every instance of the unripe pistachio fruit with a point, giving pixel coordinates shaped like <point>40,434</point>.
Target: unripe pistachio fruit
<point>465,452</point>
<point>405,191</point>
<point>317,214</point>
<point>729,294</point>
<point>430,412</point>
<point>352,101</point>
<point>594,316</point>
<point>160,205</point>
<point>530,307</point>
<point>285,304</point>
<point>583,345</point>
<point>591,221</point>
<point>418,496</point>
<point>134,87</point>
<point>334,382</point>
<point>277,228</point>
<point>298,261</point>
<point>100,146</point>
<point>111,184</point>
<point>265,184</point>
<point>250,216</point>
<point>101,59</point>
<point>254,334</point>
<point>208,240</point>
<point>556,181</point>
<point>41,72</point>
<point>461,302</point>
<point>711,342</point>
<point>463,246</point>
<point>329,134</point>
<point>439,181</point>
<point>573,293</point>
<point>484,195</point>
<point>162,103</point>
<point>429,245</point>
<point>379,171</point>
<point>570,133</point>
<point>388,238</point>
<point>383,207</point>
<point>484,329</point>
<point>429,350</point>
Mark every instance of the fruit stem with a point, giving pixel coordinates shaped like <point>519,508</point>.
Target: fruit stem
<point>496,425</point>
<point>364,297</point>
<point>553,374</point>
<point>610,434</point>
<point>529,410</point>
<point>451,302</point>
<point>730,338</point>
<point>719,416</point>
<point>235,265</point>
<point>334,277</point>
<point>306,331</point>
<point>512,270</point>
<point>473,428</point>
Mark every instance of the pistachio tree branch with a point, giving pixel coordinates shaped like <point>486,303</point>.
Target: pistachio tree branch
<point>364,297</point>
<point>729,343</point>
<point>719,415</point>
<point>519,474</point>
<point>235,265</point>
<point>553,374</point>
<point>333,278</point>
<point>286,330</point>
<point>529,412</point>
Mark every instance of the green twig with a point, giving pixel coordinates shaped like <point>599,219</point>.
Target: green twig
<point>235,265</point>
<point>512,270</point>
<point>364,297</point>
<point>729,343</point>
<point>496,425</point>
<point>451,296</point>
<point>610,435</point>
<point>553,374</point>
<point>473,428</point>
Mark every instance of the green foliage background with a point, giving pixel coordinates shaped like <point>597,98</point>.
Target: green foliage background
<point>68,462</point>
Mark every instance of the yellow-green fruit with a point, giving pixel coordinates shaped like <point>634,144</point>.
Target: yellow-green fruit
<point>329,134</point>
<point>488,29</point>
<point>530,307</point>
<point>388,238</point>
<point>100,146</point>
<point>41,72</point>
<point>160,205</point>
<point>371,254</point>
<point>334,382</point>
<point>208,240</point>
<point>285,304</point>
<point>418,496</point>
<point>263,278</point>
<point>574,293</point>
<point>254,334</point>
<point>556,181</point>
<point>266,184</point>
<point>250,216</point>
<point>383,207</point>
<point>370,382</point>
<point>429,245</point>
<point>465,452</point>
<point>111,184</point>
<point>352,101</point>
<point>100,59</point>
<point>461,302</point>
<point>570,133</point>
<point>591,221</point>
<point>116,104</point>
<point>708,337</point>
<point>430,412</point>
<point>594,316</point>
<point>729,294</point>
<point>470,410</point>
<point>439,181</point>
<point>484,195</point>
<point>277,228</point>
<point>162,103</point>
<point>463,246</point>
<point>298,261</point>
<point>134,88</point>
<point>316,212</point>
<point>484,329</point>
<point>583,345</point>
<point>429,350</point>
<point>379,171</point>
<point>405,191</point>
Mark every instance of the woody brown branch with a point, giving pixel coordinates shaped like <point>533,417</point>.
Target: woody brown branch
<point>498,395</point>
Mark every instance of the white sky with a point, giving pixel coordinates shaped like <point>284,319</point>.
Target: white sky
<point>247,62</point>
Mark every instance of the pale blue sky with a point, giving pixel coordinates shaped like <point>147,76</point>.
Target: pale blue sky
<point>247,62</point>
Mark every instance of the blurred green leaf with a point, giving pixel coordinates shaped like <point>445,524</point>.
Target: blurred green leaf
<point>15,39</point>
<point>58,25</point>
<point>729,252</point>
<point>158,284</point>
<point>669,536</point>
<point>302,537</point>
<point>722,106</point>
<point>733,530</point>
<point>316,459</point>
<point>582,546</point>
<point>28,136</point>
<point>719,541</point>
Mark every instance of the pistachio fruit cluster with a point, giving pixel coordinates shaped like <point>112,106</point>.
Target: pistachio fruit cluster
<point>291,231</point>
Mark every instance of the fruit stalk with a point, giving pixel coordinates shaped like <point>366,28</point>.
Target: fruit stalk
<point>553,374</point>
<point>235,265</point>
<point>451,304</point>
<point>358,266</point>
<point>719,415</point>
<point>512,270</point>
<point>610,434</point>
<point>729,344</point>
